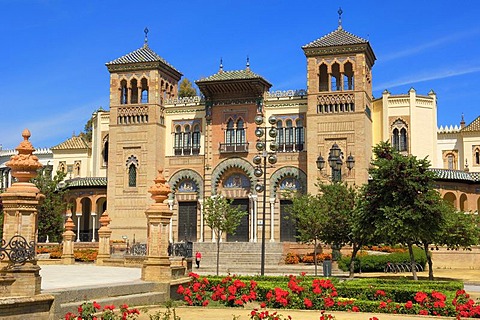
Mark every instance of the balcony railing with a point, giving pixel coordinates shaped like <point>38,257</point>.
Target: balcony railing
<point>186,151</point>
<point>233,147</point>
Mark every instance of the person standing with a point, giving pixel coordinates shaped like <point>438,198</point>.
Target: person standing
<point>198,257</point>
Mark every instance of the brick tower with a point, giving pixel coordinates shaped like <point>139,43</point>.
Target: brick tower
<point>339,86</point>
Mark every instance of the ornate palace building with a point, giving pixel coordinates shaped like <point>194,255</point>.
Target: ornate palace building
<point>208,144</point>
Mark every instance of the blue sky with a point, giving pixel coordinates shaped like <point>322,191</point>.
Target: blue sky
<point>53,52</point>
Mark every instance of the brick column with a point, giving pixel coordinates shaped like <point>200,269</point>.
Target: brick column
<point>68,242</point>
<point>157,265</point>
<point>20,203</point>
<point>104,234</point>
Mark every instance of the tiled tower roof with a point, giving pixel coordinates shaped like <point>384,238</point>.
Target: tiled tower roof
<point>231,75</point>
<point>72,143</point>
<point>473,126</point>
<point>338,37</point>
<point>87,182</point>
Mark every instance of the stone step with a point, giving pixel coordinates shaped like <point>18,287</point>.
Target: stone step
<point>239,252</point>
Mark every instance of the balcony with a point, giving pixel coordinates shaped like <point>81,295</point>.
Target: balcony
<point>233,147</point>
<point>186,151</point>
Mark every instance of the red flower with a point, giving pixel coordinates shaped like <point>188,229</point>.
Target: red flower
<point>423,312</point>
<point>382,305</point>
<point>308,303</point>
<point>355,309</point>
<point>263,305</point>
<point>409,304</point>
<point>96,305</point>
<point>205,303</point>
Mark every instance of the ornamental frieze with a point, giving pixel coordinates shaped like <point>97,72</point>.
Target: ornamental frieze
<point>133,111</point>
<point>336,98</point>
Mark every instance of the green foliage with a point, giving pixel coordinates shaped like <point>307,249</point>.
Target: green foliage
<point>377,263</point>
<point>460,230</point>
<point>186,89</point>
<point>51,210</point>
<point>221,217</point>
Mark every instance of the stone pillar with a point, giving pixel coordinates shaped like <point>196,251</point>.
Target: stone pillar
<point>68,242</point>
<point>20,203</point>
<point>104,234</point>
<point>272,219</point>
<point>157,265</point>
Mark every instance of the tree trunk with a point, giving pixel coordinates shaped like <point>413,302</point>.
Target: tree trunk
<point>429,261</point>
<point>356,248</point>
<point>218,251</point>
<point>412,261</point>
<point>315,256</point>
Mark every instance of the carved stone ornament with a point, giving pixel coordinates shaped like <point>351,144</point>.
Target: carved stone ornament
<point>160,189</point>
<point>69,225</point>
<point>104,219</point>
<point>24,165</point>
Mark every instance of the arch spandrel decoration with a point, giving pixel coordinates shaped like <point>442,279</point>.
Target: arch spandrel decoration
<point>229,164</point>
<point>287,172</point>
<point>186,174</point>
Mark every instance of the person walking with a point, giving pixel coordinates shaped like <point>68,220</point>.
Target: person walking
<point>198,257</point>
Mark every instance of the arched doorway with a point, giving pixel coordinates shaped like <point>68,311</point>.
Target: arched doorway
<point>85,229</point>
<point>451,198</point>
<point>463,202</point>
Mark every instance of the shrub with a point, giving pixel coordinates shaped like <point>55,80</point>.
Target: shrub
<point>309,258</point>
<point>377,263</point>
<point>292,258</point>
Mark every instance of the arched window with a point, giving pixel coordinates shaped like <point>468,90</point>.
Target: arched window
<point>132,175</point>
<point>299,135</point>
<point>134,88</point>
<point>76,169</point>
<point>187,140</point>
<point>132,164</point>
<point>230,133</point>
<point>450,161</point>
<point>476,156</point>
<point>336,79</point>
<point>196,139</point>
<point>288,135</point>
<point>403,140</point>
<point>178,141</point>
<point>323,78</point>
<point>348,79</point>
<point>240,132</point>
<point>144,90</point>
<point>400,136</point>
<point>280,136</point>
<point>62,167</point>
<point>123,92</point>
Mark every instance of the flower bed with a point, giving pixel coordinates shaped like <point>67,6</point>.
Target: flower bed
<point>379,296</point>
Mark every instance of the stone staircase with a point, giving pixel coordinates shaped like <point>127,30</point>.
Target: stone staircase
<point>138,293</point>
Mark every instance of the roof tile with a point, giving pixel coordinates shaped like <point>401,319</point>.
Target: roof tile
<point>72,143</point>
<point>473,126</point>
<point>338,37</point>
<point>231,75</point>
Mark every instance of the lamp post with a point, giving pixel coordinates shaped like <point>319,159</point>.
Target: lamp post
<point>267,157</point>
<point>335,161</point>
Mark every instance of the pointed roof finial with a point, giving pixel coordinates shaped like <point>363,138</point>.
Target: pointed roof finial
<point>340,18</point>
<point>248,63</point>
<point>146,36</point>
<point>221,65</point>
<point>462,122</point>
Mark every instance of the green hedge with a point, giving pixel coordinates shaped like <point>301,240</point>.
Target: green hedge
<point>377,263</point>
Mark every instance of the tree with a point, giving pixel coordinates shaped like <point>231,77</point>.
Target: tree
<point>401,203</point>
<point>186,89</point>
<point>221,217</point>
<point>326,217</point>
<point>308,216</point>
<point>50,212</point>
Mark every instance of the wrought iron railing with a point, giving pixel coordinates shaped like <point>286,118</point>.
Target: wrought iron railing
<point>233,147</point>
<point>18,250</point>
<point>181,249</point>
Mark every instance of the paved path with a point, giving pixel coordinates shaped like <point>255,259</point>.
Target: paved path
<point>81,275</point>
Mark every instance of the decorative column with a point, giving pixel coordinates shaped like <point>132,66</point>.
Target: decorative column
<point>202,223</point>
<point>20,203</point>
<point>94,220</point>
<point>255,217</point>
<point>104,234</point>
<point>157,265</point>
<point>68,241</point>
<point>272,227</point>
<point>78,214</point>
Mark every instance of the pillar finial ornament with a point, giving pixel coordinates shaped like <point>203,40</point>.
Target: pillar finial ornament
<point>160,189</point>
<point>340,11</point>
<point>24,165</point>
<point>146,36</point>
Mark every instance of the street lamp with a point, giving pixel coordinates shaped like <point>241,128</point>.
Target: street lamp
<point>267,157</point>
<point>335,161</point>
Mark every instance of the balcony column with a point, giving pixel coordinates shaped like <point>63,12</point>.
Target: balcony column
<point>94,220</point>
<point>78,214</point>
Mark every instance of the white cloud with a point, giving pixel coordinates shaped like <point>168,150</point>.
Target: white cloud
<point>427,45</point>
<point>426,76</point>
